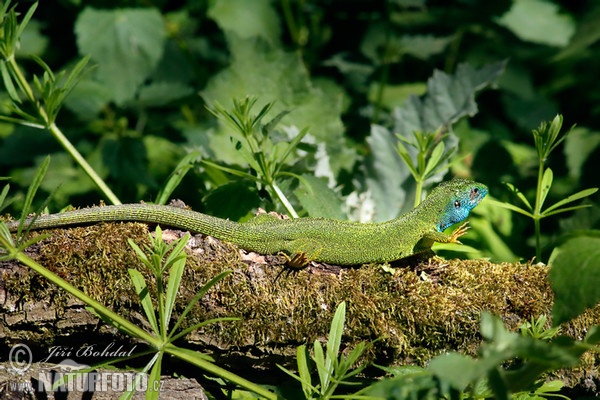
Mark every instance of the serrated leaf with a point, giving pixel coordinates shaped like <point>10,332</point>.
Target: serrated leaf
<point>575,276</point>
<point>126,44</point>
<point>448,99</point>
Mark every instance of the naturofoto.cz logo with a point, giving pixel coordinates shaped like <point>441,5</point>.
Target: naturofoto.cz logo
<point>71,376</point>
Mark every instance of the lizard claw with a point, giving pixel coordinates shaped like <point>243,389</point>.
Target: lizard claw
<point>458,232</point>
<point>298,261</point>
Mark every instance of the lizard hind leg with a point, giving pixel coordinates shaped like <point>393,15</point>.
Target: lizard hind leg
<point>302,252</point>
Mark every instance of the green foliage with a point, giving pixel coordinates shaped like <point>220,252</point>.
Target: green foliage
<point>456,376</point>
<point>161,259</point>
<point>127,45</point>
<point>332,369</point>
<point>575,276</point>
<point>420,141</point>
<point>546,138</point>
<point>368,105</point>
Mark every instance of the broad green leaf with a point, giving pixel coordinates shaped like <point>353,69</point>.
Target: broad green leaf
<point>385,172</point>
<point>588,32</point>
<point>247,19</point>
<point>579,145</point>
<point>539,21</point>
<point>88,98</point>
<point>593,335</point>
<point>575,276</point>
<point>126,44</point>
<point>235,200</point>
<point>448,99</point>
<point>395,95</point>
<point>456,369</point>
<point>32,40</point>
<point>318,199</point>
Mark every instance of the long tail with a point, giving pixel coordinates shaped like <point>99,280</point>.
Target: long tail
<point>156,214</point>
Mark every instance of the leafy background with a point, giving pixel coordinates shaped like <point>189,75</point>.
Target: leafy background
<point>355,73</point>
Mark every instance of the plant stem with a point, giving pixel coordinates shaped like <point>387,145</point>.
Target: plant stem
<point>418,192</point>
<point>286,203</point>
<point>87,168</point>
<point>58,135</point>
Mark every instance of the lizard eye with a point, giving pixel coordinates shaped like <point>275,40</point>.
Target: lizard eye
<point>476,190</point>
<point>456,204</point>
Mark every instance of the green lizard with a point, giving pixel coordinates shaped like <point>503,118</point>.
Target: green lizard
<point>306,239</point>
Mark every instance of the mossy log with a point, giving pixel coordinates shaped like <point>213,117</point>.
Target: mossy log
<point>415,312</point>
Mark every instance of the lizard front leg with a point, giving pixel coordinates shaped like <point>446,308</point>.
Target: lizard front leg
<point>429,238</point>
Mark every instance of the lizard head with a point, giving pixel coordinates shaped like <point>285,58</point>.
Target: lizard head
<point>457,197</point>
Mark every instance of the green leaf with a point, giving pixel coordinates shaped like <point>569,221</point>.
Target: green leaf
<point>8,83</point>
<point>579,145</point>
<point>303,363</point>
<point>575,276</point>
<point>318,199</point>
<point>434,159</point>
<point>175,274</point>
<point>545,185</point>
<point>539,21</point>
<point>154,379</point>
<point>456,370</point>
<point>448,99</point>
<point>142,291</point>
<point>385,171</point>
<point>159,94</point>
<point>270,74</point>
<point>574,197</point>
<point>519,195</point>
<point>247,19</point>
<point>126,44</point>
<point>205,288</point>
<point>322,371</point>
<point>177,176</point>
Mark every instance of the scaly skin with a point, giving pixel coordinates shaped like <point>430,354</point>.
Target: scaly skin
<point>318,239</point>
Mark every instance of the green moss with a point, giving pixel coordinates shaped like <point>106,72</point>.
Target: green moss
<point>416,313</point>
